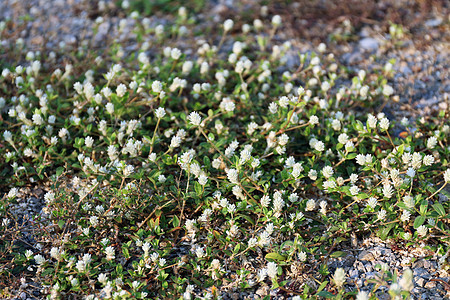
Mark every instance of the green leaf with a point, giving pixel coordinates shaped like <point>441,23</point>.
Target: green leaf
<point>126,253</point>
<point>250,220</point>
<point>275,256</point>
<point>423,207</point>
<point>198,188</point>
<point>206,161</point>
<point>175,221</point>
<point>439,209</point>
<point>384,232</point>
<point>59,171</point>
<point>236,248</point>
<point>419,221</point>
<point>61,224</point>
<point>351,156</point>
<point>325,294</point>
<point>338,254</point>
<point>322,286</point>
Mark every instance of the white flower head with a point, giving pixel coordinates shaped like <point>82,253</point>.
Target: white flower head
<point>195,118</point>
<point>228,25</point>
<point>339,277</point>
<point>160,112</point>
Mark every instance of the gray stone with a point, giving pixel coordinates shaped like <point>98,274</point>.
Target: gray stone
<point>420,282</point>
<point>369,44</point>
<point>433,22</point>
<point>366,256</point>
<point>353,273</point>
<point>421,272</point>
<point>353,58</point>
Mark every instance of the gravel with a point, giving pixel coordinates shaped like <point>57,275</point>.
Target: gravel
<point>421,80</point>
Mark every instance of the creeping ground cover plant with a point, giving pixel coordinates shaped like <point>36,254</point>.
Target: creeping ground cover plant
<point>196,170</point>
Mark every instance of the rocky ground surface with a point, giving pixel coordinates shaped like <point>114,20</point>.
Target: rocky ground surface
<point>361,41</point>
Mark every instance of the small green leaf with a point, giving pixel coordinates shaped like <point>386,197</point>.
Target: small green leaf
<point>439,209</point>
<point>419,221</point>
<point>322,286</point>
<point>325,294</point>
<point>175,221</point>
<point>198,188</point>
<point>423,207</point>
<point>275,256</point>
<point>351,156</point>
<point>61,224</point>
<point>338,254</point>
<point>59,171</point>
<point>384,232</point>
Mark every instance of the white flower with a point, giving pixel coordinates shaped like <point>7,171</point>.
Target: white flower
<point>313,120</point>
<point>202,179</point>
<point>89,141</point>
<point>312,174</point>
<point>381,214</point>
<point>325,86</point>
<point>372,202</point>
<point>310,205</point>
<point>361,159</point>
<point>273,108</point>
<point>39,259</point>
<point>121,90</point>
<point>409,201</point>
<point>371,121</point>
<point>327,172</point>
<point>228,25</point>
<point>362,295</point>
<point>187,67</point>
<point>265,201</point>
<point>7,135</point>
<point>157,86</point>
<point>422,230</point>
<point>162,178</point>
<point>431,142</point>
<point>272,270</point>
<point>175,53</point>
<point>405,216</point>
<point>447,176</point>
<point>428,160</point>
<point>339,277</point>
<point>388,190</point>
<point>110,253</point>
<point>416,160</point>
<point>343,138</point>
<point>349,146</point>
<point>160,112</point>
<point>261,275</point>
<point>319,146</point>
<point>302,256</point>
<point>110,108</point>
<point>232,175</point>
<point>354,190</point>
<point>49,197</point>
<point>195,118</point>
<point>410,172</point>
<point>406,282</point>
<point>276,20</point>
<point>384,123</point>
<point>387,90</point>
<point>93,220</point>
